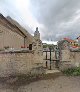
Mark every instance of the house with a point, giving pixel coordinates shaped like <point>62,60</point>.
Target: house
<point>73,43</point>
<point>13,35</point>
<point>67,43</point>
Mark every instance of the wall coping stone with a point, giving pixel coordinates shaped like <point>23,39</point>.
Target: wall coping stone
<point>16,51</point>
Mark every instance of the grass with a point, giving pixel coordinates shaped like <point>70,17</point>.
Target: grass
<point>72,71</point>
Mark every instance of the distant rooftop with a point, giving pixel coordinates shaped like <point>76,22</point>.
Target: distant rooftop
<point>69,40</point>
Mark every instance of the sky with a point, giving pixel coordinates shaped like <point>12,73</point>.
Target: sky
<point>56,19</point>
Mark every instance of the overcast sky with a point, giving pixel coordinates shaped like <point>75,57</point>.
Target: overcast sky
<point>55,18</point>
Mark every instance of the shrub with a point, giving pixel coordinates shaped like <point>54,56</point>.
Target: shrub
<point>72,71</point>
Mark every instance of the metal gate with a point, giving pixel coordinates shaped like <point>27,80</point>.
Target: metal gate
<point>50,60</point>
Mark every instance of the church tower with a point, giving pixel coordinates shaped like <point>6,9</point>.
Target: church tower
<point>37,34</point>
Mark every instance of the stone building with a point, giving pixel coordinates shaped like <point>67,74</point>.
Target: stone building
<point>13,35</point>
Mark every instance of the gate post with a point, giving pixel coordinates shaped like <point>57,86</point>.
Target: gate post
<point>50,58</point>
<point>57,57</point>
<point>46,60</point>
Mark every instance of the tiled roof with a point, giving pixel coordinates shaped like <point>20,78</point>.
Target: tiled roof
<point>69,40</point>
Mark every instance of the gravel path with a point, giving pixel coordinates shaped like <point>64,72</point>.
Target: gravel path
<point>59,84</point>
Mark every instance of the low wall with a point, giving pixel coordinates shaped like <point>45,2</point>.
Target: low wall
<point>18,62</point>
<point>70,59</point>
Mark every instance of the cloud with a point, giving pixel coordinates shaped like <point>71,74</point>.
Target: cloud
<point>55,18</point>
<point>19,10</point>
<point>61,18</point>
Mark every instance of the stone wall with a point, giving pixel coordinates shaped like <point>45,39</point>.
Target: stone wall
<point>70,58</point>
<point>18,62</point>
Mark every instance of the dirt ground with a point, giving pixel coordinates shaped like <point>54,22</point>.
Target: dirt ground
<point>59,84</point>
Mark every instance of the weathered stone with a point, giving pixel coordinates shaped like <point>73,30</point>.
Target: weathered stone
<point>18,63</point>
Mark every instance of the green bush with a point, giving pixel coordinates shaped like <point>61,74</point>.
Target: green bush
<point>72,71</point>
